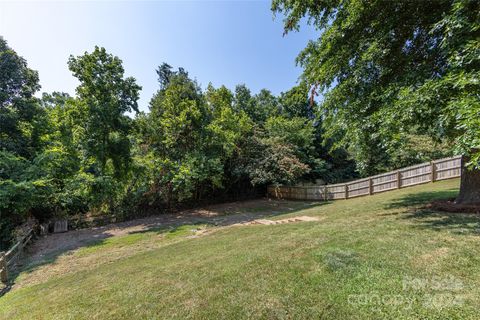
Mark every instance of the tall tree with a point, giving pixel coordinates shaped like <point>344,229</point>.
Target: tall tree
<point>106,96</point>
<point>178,113</point>
<point>390,68</point>
<point>243,100</point>
<point>266,105</point>
<point>19,109</point>
<point>295,102</point>
<point>175,132</point>
<point>164,73</point>
<point>218,99</point>
<point>258,107</point>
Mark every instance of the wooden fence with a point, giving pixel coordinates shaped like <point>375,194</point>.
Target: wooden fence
<point>422,173</point>
<point>8,259</point>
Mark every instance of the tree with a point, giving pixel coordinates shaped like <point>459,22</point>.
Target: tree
<point>243,100</point>
<point>164,73</point>
<point>178,114</point>
<point>22,123</point>
<point>218,99</point>
<point>266,105</point>
<point>330,165</point>
<point>282,151</point>
<point>106,96</point>
<point>19,109</point>
<point>392,68</point>
<point>175,132</point>
<point>296,132</point>
<point>273,161</point>
<point>193,137</point>
<point>228,133</point>
<point>294,102</point>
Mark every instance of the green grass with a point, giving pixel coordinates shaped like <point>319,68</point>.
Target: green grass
<point>139,238</point>
<point>378,257</point>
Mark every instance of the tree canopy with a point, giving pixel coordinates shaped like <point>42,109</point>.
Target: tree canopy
<point>397,84</point>
<point>390,69</point>
<point>105,96</point>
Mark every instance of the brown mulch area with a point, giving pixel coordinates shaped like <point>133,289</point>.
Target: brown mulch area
<point>450,206</point>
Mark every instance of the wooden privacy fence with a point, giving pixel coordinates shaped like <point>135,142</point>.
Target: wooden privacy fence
<point>9,258</point>
<point>441,169</point>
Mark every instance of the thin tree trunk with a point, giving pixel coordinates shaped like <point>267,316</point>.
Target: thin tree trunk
<point>469,186</point>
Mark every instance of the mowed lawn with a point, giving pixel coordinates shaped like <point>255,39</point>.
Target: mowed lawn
<point>380,257</point>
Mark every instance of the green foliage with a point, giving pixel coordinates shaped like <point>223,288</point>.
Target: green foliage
<point>175,130</point>
<point>275,162</point>
<point>295,103</point>
<point>21,189</point>
<point>297,132</point>
<point>416,149</point>
<point>450,104</point>
<point>283,151</point>
<point>179,112</point>
<point>266,106</point>
<point>63,155</point>
<point>191,136</point>
<point>243,100</point>
<point>391,69</point>
<point>258,107</point>
<point>20,115</point>
<point>105,95</point>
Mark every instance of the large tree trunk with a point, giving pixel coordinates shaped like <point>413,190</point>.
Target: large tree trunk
<point>469,186</point>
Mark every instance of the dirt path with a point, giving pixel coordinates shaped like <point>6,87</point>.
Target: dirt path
<point>246,212</point>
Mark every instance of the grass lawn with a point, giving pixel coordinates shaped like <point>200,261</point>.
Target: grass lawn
<point>377,257</point>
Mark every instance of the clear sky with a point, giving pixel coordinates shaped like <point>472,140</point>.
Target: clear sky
<point>223,42</point>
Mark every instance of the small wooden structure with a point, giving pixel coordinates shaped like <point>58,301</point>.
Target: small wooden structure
<point>60,226</point>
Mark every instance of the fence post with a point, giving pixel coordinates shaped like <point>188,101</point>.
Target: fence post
<point>432,170</point>
<point>3,268</point>
<point>370,186</point>
<point>399,179</point>
<point>346,191</point>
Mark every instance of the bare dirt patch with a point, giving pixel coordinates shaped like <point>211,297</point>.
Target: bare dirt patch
<point>431,258</point>
<point>451,206</point>
<point>282,221</point>
<point>51,254</point>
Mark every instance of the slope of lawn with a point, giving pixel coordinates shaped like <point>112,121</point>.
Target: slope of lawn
<point>377,257</point>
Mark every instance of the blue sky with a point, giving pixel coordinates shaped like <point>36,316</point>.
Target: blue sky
<point>223,42</point>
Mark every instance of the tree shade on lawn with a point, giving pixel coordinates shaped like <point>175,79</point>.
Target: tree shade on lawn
<point>387,69</point>
<point>379,257</point>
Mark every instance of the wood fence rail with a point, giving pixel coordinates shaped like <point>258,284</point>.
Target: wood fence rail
<point>9,258</point>
<point>441,169</point>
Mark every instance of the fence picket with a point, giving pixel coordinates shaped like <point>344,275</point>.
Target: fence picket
<point>8,259</point>
<point>3,268</point>
<point>440,169</point>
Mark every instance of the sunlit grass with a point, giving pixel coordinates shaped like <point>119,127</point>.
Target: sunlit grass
<point>378,257</point>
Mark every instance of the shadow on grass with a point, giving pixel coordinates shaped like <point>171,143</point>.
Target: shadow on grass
<point>457,223</point>
<point>421,198</point>
<point>99,239</point>
<point>417,210</point>
<point>167,224</point>
<point>237,217</point>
